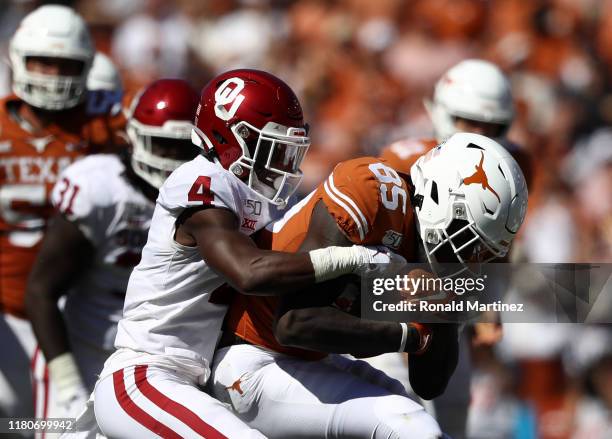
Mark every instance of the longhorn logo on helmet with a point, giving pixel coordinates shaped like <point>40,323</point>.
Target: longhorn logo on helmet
<point>480,177</point>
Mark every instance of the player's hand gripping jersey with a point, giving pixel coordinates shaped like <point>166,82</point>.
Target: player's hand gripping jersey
<point>370,203</point>
<point>29,167</point>
<point>167,310</point>
<point>115,216</point>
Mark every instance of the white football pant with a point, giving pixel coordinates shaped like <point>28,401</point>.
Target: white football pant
<point>287,397</point>
<point>451,408</point>
<point>151,401</point>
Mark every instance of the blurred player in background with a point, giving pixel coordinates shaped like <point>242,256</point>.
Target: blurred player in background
<point>271,365</point>
<point>473,96</point>
<point>44,127</point>
<point>104,87</point>
<point>105,204</point>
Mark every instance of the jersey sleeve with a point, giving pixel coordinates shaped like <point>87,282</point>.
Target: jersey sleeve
<point>195,186</point>
<point>80,195</point>
<point>367,198</point>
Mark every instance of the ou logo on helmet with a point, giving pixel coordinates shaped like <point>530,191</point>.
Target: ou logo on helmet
<point>228,93</point>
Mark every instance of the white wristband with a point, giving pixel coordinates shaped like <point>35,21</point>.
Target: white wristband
<point>404,337</point>
<point>334,261</point>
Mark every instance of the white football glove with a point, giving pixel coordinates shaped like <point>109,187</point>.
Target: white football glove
<point>378,259</point>
<point>70,391</point>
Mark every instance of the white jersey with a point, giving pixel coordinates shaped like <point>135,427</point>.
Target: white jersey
<point>115,216</point>
<point>167,312</point>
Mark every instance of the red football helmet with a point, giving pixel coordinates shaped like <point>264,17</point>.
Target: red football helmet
<point>160,120</point>
<point>251,123</point>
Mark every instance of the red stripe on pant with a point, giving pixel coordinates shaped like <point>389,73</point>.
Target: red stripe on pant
<point>46,401</point>
<point>37,358</point>
<point>136,413</point>
<point>177,410</point>
<point>33,377</point>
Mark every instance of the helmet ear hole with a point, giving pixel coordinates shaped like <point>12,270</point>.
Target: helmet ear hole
<point>219,138</point>
<point>434,192</point>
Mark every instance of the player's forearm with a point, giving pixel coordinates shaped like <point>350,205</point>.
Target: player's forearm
<point>64,254</point>
<point>327,329</point>
<point>252,270</point>
<point>47,321</point>
<point>273,273</point>
<point>52,338</point>
<point>264,272</point>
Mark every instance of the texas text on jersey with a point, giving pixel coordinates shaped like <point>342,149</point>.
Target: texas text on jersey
<point>29,167</point>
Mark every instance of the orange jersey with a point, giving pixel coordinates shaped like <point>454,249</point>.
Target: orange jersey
<point>29,167</point>
<point>401,155</point>
<point>371,205</point>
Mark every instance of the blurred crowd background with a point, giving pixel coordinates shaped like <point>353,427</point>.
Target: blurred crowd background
<point>362,69</point>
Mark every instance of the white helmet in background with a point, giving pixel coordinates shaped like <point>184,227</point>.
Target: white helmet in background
<point>104,87</point>
<point>475,90</point>
<point>57,32</point>
<point>470,199</point>
<point>103,75</point>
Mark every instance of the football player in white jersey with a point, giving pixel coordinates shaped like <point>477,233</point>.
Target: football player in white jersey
<point>250,127</point>
<point>44,127</point>
<point>105,203</point>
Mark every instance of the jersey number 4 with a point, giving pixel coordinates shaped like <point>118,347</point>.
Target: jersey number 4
<point>391,190</point>
<point>200,191</point>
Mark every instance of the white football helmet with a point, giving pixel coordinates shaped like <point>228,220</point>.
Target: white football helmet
<point>51,31</point>
<point>470,199</point>
<point>473,89</point>
<point>103,75</point>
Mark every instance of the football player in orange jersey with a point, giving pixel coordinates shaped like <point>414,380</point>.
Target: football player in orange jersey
<point>473,96</point>
<point>272,364</point>
<point>44,127</point>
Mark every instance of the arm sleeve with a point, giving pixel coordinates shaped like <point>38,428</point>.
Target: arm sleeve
<point>352,196</point>
<point>189,187</point>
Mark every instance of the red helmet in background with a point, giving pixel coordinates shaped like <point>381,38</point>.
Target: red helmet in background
<point>251,123</point>
<point>160,120</point>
